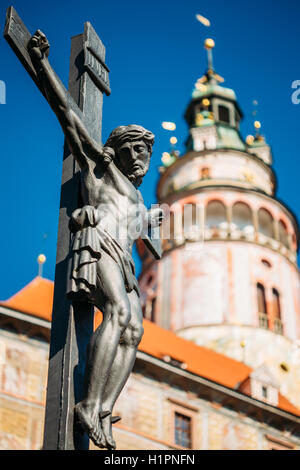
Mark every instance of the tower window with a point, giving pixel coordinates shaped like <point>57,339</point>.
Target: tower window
<point>265,223</point>
<point>215,214</point>
<point>264,392</point>
<point>242,215</point>
<point>205,173</point>
<point>283,234</point>
<point>262,306</point>
<point>183,430</point>
<point>261,298</point>
<point>224,115</point>
<point>276,304</point>
<point>277,323</point>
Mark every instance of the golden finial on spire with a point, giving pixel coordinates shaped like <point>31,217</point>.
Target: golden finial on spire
<point>209,43</point>
<point>41,259</point>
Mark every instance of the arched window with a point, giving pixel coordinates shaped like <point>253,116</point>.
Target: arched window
<point>276,304</point>
<point>265,223</point>
<point>242,216</point>
<point>224,115</point>
<point>262,306</point>
<point>283,234</point>
<point>277,323</point>
<point>215,214</point>
<point>261,298</point>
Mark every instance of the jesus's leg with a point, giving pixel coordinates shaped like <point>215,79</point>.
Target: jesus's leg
<point>103,346</point>
<point>123,364</point>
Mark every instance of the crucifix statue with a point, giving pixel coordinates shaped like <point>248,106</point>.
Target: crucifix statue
<point>102,215</point>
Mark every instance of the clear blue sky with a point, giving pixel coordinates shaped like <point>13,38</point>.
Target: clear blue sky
<point>155,54</point>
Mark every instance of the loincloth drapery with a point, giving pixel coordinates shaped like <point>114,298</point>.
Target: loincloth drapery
<point>89,241</point>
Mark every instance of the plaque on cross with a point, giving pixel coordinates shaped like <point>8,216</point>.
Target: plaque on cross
<point>99,197</point>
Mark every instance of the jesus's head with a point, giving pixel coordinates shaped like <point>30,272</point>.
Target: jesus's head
<point>133,148</point>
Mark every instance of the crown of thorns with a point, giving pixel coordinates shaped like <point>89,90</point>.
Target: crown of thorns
<point>133,132</point>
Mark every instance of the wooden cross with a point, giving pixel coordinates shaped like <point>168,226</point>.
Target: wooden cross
<point>72,322</point>
<point>72,325</point>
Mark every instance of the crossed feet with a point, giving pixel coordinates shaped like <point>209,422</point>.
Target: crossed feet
<point>98,426</point>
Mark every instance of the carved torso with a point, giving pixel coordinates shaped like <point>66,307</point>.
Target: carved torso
<point>120,204</point>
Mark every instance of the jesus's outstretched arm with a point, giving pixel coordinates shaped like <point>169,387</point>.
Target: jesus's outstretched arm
<point>81,144</point>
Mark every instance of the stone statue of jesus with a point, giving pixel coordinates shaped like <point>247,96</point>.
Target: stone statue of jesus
<point>104,229</point>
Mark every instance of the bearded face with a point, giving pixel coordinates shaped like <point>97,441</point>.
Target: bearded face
<point>133,159</point>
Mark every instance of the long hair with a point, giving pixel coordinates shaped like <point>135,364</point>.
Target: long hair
<point>132,132</point>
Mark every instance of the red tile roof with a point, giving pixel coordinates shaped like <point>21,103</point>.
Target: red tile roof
<point>199,360</point>
<point>36,299</point>
<point>286,405</point>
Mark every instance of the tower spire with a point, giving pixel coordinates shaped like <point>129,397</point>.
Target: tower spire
<point>209,44</point>
<point>210,75</point>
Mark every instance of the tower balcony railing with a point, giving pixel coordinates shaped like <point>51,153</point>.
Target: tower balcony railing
<point>263,320</point>
<point>228,231</point>
<point>278,326</point>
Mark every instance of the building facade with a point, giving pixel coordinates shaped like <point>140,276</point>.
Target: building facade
<point>218,366</point>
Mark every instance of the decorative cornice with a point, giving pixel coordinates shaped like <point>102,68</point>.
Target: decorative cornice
<point>193,154</point>
<point>188,192</point>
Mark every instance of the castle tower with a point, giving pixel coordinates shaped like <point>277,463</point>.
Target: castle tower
<point>228,278</point>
